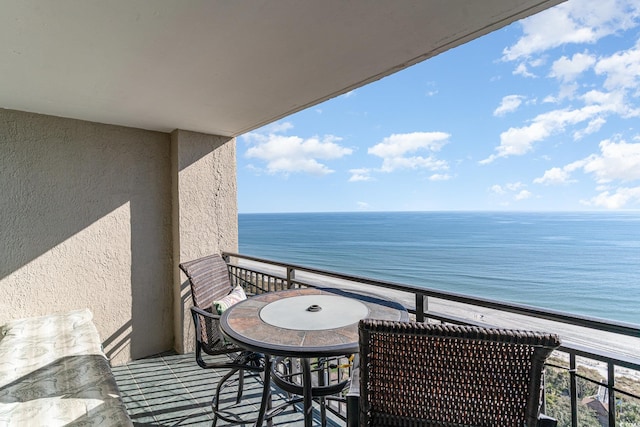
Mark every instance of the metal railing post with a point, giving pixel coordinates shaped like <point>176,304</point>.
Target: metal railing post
<point>291,275</point>
<point>573,390</point>
<point>420,306</point>
<point>611,382</point>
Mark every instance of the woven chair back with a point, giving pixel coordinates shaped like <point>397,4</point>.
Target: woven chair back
<point>208,278</point>
<point>209,281</point>
<point>416,374</point>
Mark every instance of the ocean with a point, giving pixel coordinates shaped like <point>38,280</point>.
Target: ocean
<point>585,263</point>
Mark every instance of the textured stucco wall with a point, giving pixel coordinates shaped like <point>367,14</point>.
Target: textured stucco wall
<point>205,212</point>
<point>85,221</point>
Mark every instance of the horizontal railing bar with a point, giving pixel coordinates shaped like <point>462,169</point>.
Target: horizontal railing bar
<point>617,327</point>
<point>587,352</point>
<point>600,355</point>
<point>620,360</point>
<point>593,381</point>
<point>617,390</point>
<point>455,320</point>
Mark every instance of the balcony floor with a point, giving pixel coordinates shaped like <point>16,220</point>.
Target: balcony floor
<point>172,390</point>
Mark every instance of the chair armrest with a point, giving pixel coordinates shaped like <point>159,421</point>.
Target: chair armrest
<point>207,328</point>
<point>205,313</point>
<point>546,421</point>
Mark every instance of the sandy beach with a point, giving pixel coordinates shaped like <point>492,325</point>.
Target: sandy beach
<point>619,346</point>
<point>615,345</point>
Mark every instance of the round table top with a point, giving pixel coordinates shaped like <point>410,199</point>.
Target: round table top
<point>313,312</point>
<point>305,322</point>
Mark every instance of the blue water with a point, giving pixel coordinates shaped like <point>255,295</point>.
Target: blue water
<point>584,263</point>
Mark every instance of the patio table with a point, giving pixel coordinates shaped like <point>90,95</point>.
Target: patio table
<point>305,323</point>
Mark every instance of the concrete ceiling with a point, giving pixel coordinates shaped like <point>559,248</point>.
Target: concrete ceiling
<point>220,66</point>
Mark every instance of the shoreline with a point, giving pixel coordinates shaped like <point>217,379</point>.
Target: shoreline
<point>623,347</point>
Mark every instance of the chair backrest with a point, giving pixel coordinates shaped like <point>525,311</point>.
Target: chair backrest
<point>416,374</point>
<point>209,279</point>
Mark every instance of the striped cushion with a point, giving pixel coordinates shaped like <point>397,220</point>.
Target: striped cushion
<point>235,296</point>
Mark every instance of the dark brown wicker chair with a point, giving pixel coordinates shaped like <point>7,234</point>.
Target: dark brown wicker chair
<point>416,374</point>
<point>210,281</point>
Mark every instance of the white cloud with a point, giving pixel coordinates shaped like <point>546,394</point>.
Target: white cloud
<point>622,69</point>
<point>566,69</point>
<point>576,21</point>
<point>593,126</point>
<point>514,186</point>
<point>619,199</point>
<point>391,164</point>
<point>618,161</point>
<point>278,127</point>
<point>399,144</point>
<point>260,135</point>
<point>400,151</point>
<point>439,177</point>
<point>396,150</point>
<point>510,103</point>
<point>513,190</point>
<point>523,195</point>
<point>363,206</point>
<point>538,62</point>
<point>568,91</point>
<point>554,176</point>
<point>496,189</point>
<point>573,22</point>
<point>290,154</point>
<point>517,141</point>
<point>361,174</point>
<point>611,102</point>
<point>523,71</point>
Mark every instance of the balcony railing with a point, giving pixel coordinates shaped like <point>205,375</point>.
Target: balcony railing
<point>596,371</point>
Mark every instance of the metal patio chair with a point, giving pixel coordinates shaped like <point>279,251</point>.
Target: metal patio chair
<point>210,281</point>
<point>417,374</point>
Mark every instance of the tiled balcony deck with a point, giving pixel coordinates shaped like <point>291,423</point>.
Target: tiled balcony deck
<point>172,390</point>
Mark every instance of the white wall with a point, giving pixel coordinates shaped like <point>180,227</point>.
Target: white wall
<point>87,220</point>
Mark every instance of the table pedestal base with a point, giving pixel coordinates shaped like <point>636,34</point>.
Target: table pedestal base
<point>316,378</point>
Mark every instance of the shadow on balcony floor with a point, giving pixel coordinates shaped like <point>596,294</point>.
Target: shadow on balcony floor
<point>172,390</point>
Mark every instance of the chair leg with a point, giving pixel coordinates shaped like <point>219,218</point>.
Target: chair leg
<point>240,385</point>
<point>322,382</point>
<point>216,398</point>
<point>289,371</point>
<point>323,412</point>
<point>266,393</point>
<point>306,387</point>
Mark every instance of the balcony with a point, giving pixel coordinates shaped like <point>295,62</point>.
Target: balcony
<point>592,380</point>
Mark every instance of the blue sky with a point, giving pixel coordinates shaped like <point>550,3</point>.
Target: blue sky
<point>543,115</point>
